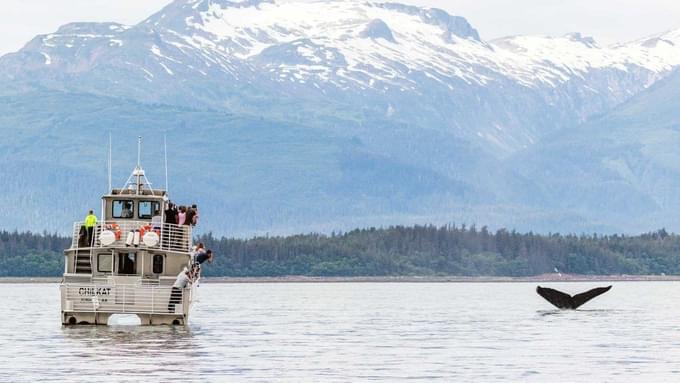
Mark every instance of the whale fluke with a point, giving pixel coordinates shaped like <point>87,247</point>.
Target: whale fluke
<point>565,301</point>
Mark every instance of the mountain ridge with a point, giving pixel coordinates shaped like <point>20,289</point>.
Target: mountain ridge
<point>380,113</point>
<point>211,48</point>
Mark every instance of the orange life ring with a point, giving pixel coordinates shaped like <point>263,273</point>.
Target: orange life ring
<point>143,230</point>
<point>115,229</point>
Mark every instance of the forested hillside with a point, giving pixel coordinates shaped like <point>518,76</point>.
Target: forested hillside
<point>395,251</point>
<point>31,255</point>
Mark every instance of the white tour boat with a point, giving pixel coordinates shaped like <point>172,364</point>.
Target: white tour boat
<point>130,263</point>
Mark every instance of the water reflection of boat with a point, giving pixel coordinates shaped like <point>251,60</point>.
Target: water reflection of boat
<point>128,262</point>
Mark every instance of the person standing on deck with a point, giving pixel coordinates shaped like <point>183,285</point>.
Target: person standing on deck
<point>90,223</point>
<point>189,219</point>
<point>156,220</point>
<point>169,232</point>
<point>194,219</point>
<point>171,214</point>
<point>181,215</point>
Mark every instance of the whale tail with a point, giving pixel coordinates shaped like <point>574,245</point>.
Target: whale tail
<point>565,301</point>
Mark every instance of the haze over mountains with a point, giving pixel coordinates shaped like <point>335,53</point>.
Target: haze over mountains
<point>298,116</point>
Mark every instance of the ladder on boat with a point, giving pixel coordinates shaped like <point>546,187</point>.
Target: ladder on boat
<point>83,262</point>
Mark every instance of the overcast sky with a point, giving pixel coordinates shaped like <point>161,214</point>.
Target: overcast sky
<point>608,21</point>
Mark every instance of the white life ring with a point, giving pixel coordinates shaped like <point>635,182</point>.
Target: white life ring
<point>150,239</point>
<point>107,237</point>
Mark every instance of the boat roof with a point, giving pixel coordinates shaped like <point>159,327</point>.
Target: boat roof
<point>134,193</point>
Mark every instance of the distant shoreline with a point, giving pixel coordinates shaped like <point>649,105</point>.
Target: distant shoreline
<point>403,279</point>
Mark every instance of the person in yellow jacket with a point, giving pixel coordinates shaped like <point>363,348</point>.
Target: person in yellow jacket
<point>90,223</point>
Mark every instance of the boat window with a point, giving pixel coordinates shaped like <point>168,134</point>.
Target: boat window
<point>127,263</point>
<point>104,263</point>
<point>123,209</point>
<point>148,208</point>
<point>158,264</point>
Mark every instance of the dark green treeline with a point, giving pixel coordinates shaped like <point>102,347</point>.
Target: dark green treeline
<point>447,250</point>
<point>418,250</point>
<point>32,255</point>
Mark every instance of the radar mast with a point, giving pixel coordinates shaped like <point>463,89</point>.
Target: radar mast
<point>137,180</point>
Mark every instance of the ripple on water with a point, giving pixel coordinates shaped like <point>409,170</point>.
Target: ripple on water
<point>355,332</point>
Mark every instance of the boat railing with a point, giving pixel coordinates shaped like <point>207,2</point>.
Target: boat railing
<point>131,299</point>
<point>131,233</point>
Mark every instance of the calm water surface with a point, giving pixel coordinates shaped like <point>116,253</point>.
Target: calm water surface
<point>349,332</point>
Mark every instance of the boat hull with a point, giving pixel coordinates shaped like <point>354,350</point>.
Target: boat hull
<point>94,304</point>
<point>71,318</point>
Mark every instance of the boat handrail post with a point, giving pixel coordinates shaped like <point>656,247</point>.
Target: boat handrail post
<point>102,222</point>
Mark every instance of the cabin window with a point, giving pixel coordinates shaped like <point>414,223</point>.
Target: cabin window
<point>158,264</point>
<point>104,263</point>
<point>148,209</point>
<point>127,263</point>
<point>123,209</point>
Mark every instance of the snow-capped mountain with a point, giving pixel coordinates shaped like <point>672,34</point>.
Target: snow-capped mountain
<point>385,61</point>
<point>353,112</point>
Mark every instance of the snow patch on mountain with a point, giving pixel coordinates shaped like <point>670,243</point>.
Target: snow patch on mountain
<point>559,59</point>
<point>48,59</point>
<point>378,29</point>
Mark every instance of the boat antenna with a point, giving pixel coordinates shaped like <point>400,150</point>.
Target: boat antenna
<point>165,149</point>
<point>138,169</point>
<point>110,162</point>
<point>139,150</point>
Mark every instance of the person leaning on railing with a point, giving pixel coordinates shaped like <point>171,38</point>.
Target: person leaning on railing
<point>203,256</point>
<point>198,249</point>
<point>198,258</point>
<point>183,280</point>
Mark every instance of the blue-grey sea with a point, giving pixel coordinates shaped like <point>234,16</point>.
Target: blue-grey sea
<point>356,332</point>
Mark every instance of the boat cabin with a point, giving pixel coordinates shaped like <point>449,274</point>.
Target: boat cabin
<point>131,240</point>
